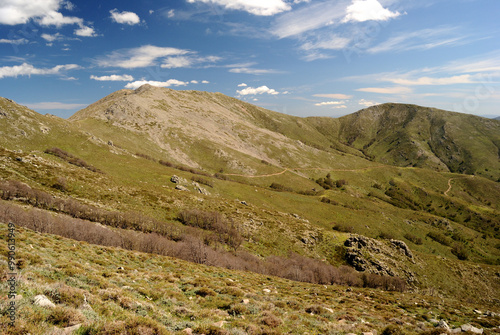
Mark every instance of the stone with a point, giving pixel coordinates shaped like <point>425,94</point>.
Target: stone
<point>266,290</point>
<point>181,188</point>
<point>403,247</point>
<point>188,331</point>
<point>469,328</point>
<point>443,324</point>
<point>456,330</point>
<point>175,179</point>
<point>477,311</point>
<point>244,203</point>
<point>43,301</point>
<point>246,301</point>
<point>65,331</point>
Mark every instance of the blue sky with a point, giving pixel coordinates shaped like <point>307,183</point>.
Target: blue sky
<point>301,57</point>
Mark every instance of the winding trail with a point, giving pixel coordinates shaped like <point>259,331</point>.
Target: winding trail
<point>301,169</point>
<point>449,183</point>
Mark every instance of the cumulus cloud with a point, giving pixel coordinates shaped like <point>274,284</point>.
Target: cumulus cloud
<point>85,31</point>
<point>138,57</point>
<point>205,82</point>
<point>258,90</point>
<point>366,10</point>
<point>261,7</point>
<point>52,38</point>
<point>113,77</point>
<point>43,12</point>
<point>124,17</point>
<point>366,103</point>
<point>26,69</point>
<point>242,85</point>
<point>54,105</point>
<point>171,82</point>
<point>14,42</point>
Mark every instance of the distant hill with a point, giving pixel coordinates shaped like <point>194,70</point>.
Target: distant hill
<point>190,125</point>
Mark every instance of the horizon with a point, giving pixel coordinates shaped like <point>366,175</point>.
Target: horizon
<point>300,57</point>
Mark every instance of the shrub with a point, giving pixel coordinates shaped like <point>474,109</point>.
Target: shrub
<point>65,317</point>
<point>280,187</point>
<point>202,181</point>
<point>71,159</point>
<point>460,251</point>
<point>392,330</point>
<point>329,201</point>
<point>205,291</point>
<point>415,239</point>
<point>343,228</point>
<point>387,236</point>
<point>440,238</point>
<point>270,320</point>
<point>340,183</point>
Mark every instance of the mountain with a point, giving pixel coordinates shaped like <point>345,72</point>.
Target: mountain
<point>497,118</point>
<point>379,198</point>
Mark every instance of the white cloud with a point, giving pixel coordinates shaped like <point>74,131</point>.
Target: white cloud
<point>26,69</point>
<point>462,79</point>
<point>366,10</point>
<point>242,85</point>
<point>187,61</point>
<point>171,13</point>
<point>194,82</point>
<point>330,103</point>
<point>424,39</point>
<point>138,57</point>
<point>258,90</point>
<point>248,70</point>
<point>205,82</point>
<point>256,7</point>
<point>171,82</point>
<point>14,42</point>
<point>386,90</point>
<point>52,38</point>
<point>85,31</point>
<point>309,18</point>
<point>21,11</point>
<point>334,96</point>
<point>366,103</point>
<point>332,42</point>
<point>53,18</point>
<point>113,77</point>
<point>54,105</point>
<point>124,17</point>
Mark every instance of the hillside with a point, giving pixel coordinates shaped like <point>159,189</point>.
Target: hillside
<point>216,181</point>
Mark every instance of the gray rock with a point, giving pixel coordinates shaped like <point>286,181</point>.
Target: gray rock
<point>403,247</point>
<point>43,301</point>
<point>175,179</point>
<point>456,330</point>
<point>181,188</point>
<point>477,311</point>
<point>244,203</point>
<point>469,328</point>
<point>443,324</point>
<point>433,321</point>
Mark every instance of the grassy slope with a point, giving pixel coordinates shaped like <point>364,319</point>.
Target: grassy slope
<point>161,295</point>
<point>132,183</point>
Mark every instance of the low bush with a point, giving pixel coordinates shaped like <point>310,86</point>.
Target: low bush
<point>280,187</point>
<point>414,239</point>
<point>460,251</point>
<point>71,159</point>
<point>440,238</point>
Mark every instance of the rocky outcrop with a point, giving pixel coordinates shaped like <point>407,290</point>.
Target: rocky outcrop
<point>388,258</point>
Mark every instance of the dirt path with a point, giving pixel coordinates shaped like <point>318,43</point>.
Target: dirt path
<point>451,179</point>
<point>302,169</point>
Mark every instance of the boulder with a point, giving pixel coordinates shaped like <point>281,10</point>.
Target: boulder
<point>43,301</point>
<point>442,324</point>
<point>175,179</point>
<point>469,328</point>
<point>181,188</point>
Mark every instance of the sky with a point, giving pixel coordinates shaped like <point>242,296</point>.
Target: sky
<point>300,57</point>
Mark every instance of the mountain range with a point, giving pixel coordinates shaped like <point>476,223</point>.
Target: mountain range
<point>395,193</point>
